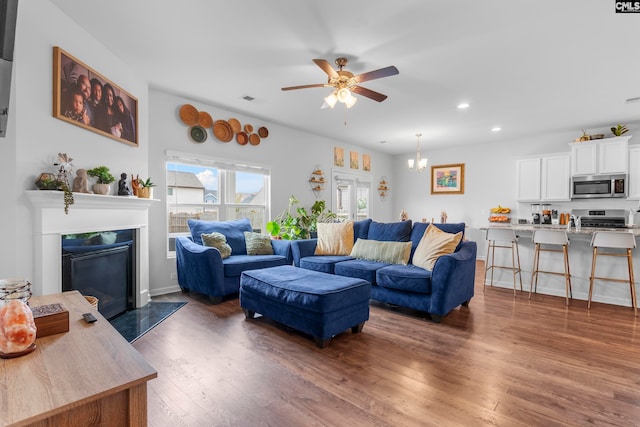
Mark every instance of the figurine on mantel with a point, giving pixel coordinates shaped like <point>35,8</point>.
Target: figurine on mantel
<point>443,217</point>
<point>404,215</point>
<point>135,184</point>
<point>123,190</point>
<point>80,182</point>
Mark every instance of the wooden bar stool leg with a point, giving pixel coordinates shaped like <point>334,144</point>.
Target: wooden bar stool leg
<point>486,265</point>
<point>593,273</point>
<point>534,272</point>
<point>513,268</point>
<point>567,276</point>
<point>569,272</point>
<point>632,283</point>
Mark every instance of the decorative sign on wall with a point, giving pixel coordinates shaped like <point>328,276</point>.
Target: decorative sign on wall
<point>366,162</point>
<point>447,179</point>
<point>338,157</point>
<point>353,160</point>
<point>85,98</point>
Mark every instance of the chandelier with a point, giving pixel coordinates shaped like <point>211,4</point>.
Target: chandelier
<point>418,164</point>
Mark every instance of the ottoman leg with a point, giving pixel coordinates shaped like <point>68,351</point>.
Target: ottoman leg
<point>248,314</point>
<point>358,328</point>
<point>320,342</point>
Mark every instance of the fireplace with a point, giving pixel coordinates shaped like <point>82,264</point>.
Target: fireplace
<point>101,264</point>
<point>89,213</point>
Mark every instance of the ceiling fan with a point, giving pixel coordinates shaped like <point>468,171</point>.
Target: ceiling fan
<point>344,83</point>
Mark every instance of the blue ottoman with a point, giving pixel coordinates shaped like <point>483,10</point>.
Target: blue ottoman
<point>319,304</point>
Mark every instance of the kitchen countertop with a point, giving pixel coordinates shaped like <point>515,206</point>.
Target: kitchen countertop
<point>583,230</point>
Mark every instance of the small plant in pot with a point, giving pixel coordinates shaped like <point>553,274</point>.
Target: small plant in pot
<point>104,178</point>
<point>145,189</point>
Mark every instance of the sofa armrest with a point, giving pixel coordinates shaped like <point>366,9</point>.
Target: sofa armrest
<point>283,248</point>
<point>199,267</point>
<point>302,248</point>
<point>453,279</point>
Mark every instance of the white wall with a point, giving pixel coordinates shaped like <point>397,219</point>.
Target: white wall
<point>290,154</point>
<point>35,137</point>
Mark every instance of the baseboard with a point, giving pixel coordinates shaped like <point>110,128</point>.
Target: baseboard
<point>165,290</point>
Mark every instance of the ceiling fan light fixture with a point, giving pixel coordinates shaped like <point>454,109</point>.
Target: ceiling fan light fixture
<point>331,99</point>
<point>343,95</point>
<point>351,101</point>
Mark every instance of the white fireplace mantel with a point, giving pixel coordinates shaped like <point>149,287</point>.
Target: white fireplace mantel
<point>89,213</point>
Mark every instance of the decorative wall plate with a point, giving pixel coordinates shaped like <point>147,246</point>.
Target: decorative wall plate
<point>242,138</point>
<point>189,115</point>
<point>205,120</point>
<point>254,139</point>
<point>235,125</point>
<point>198,133</point>
<point>222,130</point>
<point>248,128</point>
<point>263,132</point>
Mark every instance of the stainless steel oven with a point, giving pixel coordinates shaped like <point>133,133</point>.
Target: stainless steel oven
<point>598,186</point>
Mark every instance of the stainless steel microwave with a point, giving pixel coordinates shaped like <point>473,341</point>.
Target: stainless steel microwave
<point>598,186</point>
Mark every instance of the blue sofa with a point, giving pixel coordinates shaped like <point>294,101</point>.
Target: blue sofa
<point>202,269</point>
<point>437,292</point>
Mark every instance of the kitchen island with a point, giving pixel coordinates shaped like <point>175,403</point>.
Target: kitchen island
<point>580,256</point>
<point>87,376</point>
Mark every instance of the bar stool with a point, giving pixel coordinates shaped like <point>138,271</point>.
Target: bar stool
<point>551,238</point>
<point>613,240</point>
<point>503,235</point>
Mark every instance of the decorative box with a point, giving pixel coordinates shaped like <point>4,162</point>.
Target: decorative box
<point>50,319</point>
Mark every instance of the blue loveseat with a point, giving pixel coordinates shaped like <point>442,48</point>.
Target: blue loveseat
<point>449,284</point>
<point>202,269</point>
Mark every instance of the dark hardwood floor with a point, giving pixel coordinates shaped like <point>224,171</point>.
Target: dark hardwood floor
<point>501,361</point>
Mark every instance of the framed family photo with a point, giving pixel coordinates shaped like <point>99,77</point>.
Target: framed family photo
<point>85,98</point>
<point>447,179</point>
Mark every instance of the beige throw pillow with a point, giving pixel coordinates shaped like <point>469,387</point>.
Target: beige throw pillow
<point>374,250</point>
<point>258,244</point>
<point>434,244</point>
<point>218,241</point>
<point>335,238</point>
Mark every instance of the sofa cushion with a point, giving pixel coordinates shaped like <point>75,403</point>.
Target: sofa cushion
<point>360,268</point>
<point>420,227</point>
<point>390,232</point>
<point>433,245</point>
<point>236,264</point>
<point>361,229</point>
<point>335,238</point>
<point>323,263</point>
<point>218,241</point>
<point>407,278</point>
<point>389,252</point>
<point>257,244</point>
<point>233,231</point>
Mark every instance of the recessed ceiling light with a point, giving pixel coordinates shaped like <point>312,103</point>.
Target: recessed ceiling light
<point>496,129</point>
<point>463,106</point>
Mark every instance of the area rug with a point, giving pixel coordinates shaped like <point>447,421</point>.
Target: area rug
<point>135,323</point>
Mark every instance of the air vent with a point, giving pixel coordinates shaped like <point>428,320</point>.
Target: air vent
<point>248,98</point>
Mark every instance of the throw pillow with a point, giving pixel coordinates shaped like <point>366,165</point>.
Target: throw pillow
<point>218,241</point>
<point>374,250</point>
<point>335,238</point>
<point>433,245</point>
<point>233,231</point>
<point>258,244</point>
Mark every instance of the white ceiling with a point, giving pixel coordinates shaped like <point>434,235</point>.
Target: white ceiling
<point>528,67</point>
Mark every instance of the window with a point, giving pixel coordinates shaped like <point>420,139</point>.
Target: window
<point>213,191</point>
<point>351,197</point>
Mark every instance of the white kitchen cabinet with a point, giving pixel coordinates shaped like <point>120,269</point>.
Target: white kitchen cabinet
<point>634,173</point>
<point>601,156</point>
<point>528,179</point>
<point>544,178</point>
<point>555,177</point>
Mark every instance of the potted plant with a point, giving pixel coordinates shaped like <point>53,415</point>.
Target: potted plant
<point>301,226</point>
<point>104,178</point>
<point>619,130</point>
<point>145,189</point>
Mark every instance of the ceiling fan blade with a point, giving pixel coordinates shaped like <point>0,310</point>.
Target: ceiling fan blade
<point>376,96</point>
<point>326,67</point>
<point>377,74</point>
<point>304,86</point>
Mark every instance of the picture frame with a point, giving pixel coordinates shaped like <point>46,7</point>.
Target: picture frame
<point>366,163</point>
<point>338,157</point>
<point>353,160</point>
<point>447,179</point>
<point>85,98</point>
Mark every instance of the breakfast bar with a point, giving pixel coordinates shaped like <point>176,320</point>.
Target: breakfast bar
<point>580,258</point>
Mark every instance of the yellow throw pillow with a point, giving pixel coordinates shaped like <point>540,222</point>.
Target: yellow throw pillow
<point>375,250</point>
<point>218,241</point>
<point>434,244</point>
<point>335,238</point>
